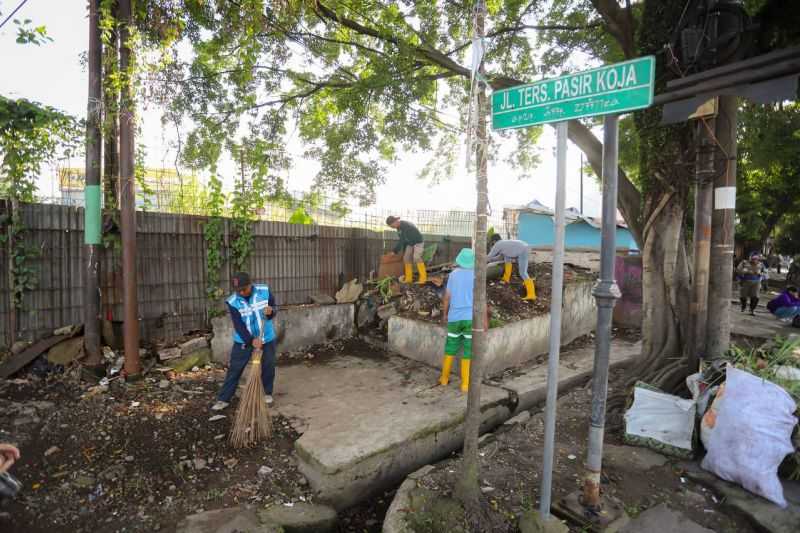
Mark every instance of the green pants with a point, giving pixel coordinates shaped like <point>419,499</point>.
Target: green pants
<point>459,334</point>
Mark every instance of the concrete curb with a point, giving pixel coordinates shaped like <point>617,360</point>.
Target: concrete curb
<point>528,391</point>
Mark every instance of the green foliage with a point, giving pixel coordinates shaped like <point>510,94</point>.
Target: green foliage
<point>213,232</point>
<point>29,34</point>
<point>30,135</point>
<point>385,288</point>
<point>768,170</point>
<point>192,198</point>
<point>301,216</point>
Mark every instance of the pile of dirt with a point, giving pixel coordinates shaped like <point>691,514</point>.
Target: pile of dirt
<point>386,298</point>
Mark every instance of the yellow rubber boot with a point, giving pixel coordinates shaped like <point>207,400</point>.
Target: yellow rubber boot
<point>530,288</point>
<point>423,274</point>
<point>507,273</point>
<point>464,375</point>
<point>409,273</point>
<point>447,365</point>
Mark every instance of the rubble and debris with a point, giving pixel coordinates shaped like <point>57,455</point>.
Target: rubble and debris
<point>17,362</point>
<point>66,352</point>
<point>187,362</point>
<point>320,298</point>
<point>194,345</point>
<point>660,421</point>
<point>350,292</point>
<point>168,354</point>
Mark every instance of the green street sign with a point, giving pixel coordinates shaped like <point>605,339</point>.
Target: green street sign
<point>611,89</point>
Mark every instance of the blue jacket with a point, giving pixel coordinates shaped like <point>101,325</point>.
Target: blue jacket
<point>247,315</point>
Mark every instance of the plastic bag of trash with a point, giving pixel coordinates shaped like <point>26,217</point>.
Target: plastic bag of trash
<point>660,421</point>
<point>752,434</point>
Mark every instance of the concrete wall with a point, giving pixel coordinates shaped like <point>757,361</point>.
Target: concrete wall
<point>295,327</point>
<point>509,345</point>
<point>535,229</point>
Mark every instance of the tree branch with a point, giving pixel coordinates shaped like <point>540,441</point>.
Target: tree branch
<point>620,24</point>
<point>513,29</point>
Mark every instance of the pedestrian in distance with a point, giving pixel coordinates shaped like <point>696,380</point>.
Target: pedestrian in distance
<point>457,317</point>
<point>252,309</point>
<point>750,273</point>
<point>511,251</point>
<point>412,246</point>
<point>787,305</point>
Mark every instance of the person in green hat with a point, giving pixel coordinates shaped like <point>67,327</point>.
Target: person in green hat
<point>457,316</point>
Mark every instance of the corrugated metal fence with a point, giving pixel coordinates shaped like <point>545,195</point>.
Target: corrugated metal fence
<point>295,260</point>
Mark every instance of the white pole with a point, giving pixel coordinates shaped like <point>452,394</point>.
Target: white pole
<point>555,320</point>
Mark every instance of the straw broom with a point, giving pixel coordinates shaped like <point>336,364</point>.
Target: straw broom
<point>253,421</point>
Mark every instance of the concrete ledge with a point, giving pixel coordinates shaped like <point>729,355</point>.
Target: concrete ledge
<point>508,346</point>
<point>531,387</point>
<point>296,327</point>
<point>345,464</point>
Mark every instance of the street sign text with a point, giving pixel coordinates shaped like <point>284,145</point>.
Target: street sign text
<point>610,89</point>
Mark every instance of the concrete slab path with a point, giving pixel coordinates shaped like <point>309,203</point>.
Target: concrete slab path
<point>762,326</point>
<point>367,422</point>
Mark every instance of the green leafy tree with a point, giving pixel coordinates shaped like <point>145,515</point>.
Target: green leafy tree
<point>768,169</point>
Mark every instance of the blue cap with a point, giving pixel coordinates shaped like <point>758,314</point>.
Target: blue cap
<point>466,258</point>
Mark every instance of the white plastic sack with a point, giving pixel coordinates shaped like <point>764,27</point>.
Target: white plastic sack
<point>661,417</point>
<point>752,434</point>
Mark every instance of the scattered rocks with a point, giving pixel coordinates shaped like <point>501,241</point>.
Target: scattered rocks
<point>264,471</point>
<point>521,418</point>
<point>200,464</point>
<point>168,354</point>
<point>51,450</point>
<point>164,384</point>
<point>193,345</point>
<point>231,463</point>
<point>84,481</point>
<point>322,299</point>
<point>300,518</point>
<point>215,418</point>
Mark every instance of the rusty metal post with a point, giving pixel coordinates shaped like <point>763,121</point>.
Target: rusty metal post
<point>128,199</point>
<point>92,194</point>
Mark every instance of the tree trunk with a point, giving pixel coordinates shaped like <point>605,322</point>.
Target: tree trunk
<point>467,488</point>
<point>666,165</point>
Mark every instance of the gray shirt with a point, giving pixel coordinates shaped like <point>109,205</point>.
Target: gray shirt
<point>508,251</point>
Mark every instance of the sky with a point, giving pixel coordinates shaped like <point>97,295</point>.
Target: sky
<point>52,74</point>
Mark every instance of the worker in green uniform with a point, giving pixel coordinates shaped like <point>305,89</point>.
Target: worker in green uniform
<point>411,245</point>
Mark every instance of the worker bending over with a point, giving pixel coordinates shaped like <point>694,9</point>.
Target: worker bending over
<point>411,246</point>
<point>510,251</point>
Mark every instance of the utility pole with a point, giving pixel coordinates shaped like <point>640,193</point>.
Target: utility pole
<point>703,200</point>
<point>556,300</point>
<point>722,233</point>
<point>92,216</point>
<point>722,221</point>
<point>133,366</point>
<point>606,292</point>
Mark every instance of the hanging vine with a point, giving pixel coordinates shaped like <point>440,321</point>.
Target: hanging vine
<point>30,134</point>
<point>213,232</point>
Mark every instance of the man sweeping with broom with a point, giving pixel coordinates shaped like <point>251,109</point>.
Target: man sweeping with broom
<point>252,308</point>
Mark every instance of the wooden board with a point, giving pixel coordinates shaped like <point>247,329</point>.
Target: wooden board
<point>15,363</point>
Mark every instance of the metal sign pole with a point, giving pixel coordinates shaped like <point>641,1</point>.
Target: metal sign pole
<point>606,292</point>
<point>555,320</point>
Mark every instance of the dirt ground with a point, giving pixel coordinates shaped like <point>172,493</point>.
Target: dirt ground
<point>511,465</point>
<point>505,300</point>
<point>141,457</point>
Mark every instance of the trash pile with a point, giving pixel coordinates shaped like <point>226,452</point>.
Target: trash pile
<point>387,296</point>
<point>63,351</point>
<point>743,412</point>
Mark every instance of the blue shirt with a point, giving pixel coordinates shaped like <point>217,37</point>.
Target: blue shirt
<point>460,284</point>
